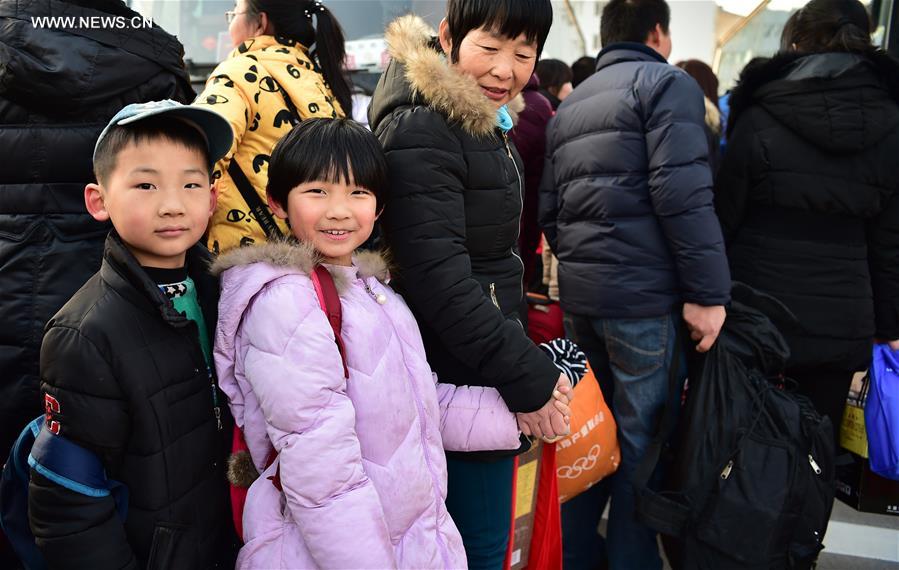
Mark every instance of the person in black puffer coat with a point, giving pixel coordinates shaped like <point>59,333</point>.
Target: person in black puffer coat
<point>808,194</point>
<point>58,89</point>
<point>451,221</point>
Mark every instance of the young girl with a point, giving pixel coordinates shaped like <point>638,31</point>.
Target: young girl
<point>360,460</point>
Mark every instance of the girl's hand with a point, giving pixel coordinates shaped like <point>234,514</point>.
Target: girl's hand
<point>563,391</point>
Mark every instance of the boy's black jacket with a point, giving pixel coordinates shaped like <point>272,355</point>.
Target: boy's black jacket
<point>132,385</point>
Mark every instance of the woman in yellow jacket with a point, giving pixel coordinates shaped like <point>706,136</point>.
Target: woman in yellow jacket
<point>269,82</point>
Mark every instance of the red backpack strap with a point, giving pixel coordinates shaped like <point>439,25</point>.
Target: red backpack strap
<point>330,304</point>
<point>329,301</point>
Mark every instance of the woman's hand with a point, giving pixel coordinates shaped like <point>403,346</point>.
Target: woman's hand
<point>554,418</point>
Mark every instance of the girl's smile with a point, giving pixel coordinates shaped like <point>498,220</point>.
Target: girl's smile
<point>334,217</point>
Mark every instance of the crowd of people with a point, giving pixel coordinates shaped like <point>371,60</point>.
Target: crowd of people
<point>188,302</point>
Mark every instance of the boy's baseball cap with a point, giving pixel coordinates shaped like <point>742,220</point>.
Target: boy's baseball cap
<point>215,128</point>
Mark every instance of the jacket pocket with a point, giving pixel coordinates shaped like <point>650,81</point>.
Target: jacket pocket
<point>164,548</point>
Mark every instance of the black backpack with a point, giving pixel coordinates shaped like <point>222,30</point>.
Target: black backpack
<point>751,479</point>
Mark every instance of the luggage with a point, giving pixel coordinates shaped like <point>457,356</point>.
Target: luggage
<point>751,484</point>
<point>544,319</point>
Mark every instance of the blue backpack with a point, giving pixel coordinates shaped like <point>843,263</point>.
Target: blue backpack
<point>60,460</point>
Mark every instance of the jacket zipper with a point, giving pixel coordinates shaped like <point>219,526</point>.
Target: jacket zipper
<point>493,296</point>
<point>727,469</point>
<point>815,467</point>
<point>518,227</point>
<point>216,407</point>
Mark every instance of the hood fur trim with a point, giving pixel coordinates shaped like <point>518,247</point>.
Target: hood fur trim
<point>440,86</point>
<point>712,117</point>
<point>761,71</point>
<point>241,471</point>
<point>516,107</point>
<point>280,253</point>
<point>301,256</point>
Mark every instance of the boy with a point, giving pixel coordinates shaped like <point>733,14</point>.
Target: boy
<point>125,364</point>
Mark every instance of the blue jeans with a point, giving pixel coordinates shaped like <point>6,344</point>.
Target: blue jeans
<point>631,359</point>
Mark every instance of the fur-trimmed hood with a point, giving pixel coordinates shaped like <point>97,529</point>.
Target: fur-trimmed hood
<point>297,256</point>
<point>419,73</point>
<point>817,95</point>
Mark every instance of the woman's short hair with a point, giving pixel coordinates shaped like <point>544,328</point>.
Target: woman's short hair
<point>509,18</point>
<point>828,25</point>
<point>330,150</point>
<point>553,73</point>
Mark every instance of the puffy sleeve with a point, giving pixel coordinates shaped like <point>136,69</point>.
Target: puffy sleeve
<point>295,371</point>
<point>680,187</point>
<point>475,418</point>
<point>72,528</point>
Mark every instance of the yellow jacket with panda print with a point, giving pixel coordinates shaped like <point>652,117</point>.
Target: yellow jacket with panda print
<point>244,89</point>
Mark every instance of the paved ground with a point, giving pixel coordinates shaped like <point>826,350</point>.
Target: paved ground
<point>860,541</point>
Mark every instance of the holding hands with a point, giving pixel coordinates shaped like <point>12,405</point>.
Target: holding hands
<point>552,421</point>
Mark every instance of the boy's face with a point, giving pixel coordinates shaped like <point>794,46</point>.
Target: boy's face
<point>159,199</point>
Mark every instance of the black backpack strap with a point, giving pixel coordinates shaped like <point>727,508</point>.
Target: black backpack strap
<point>249,194</point>
<point>654,509</point>
<point>259,210</point>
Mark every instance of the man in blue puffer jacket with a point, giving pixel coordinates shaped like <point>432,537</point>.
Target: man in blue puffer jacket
<point>626,203</point>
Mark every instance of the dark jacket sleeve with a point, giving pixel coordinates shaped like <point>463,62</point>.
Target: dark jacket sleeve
<point>424,222</point>
<point>73,530</point>
<point>883,259</point>
<point>734,178</point>
<point>549,195</point>
<point>680,187</point>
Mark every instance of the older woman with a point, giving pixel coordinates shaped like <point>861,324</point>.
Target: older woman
<point>451,221</point>
<point>808,193</point>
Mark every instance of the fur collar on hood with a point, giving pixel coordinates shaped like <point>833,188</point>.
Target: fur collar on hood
<point>441,87</point>
<point>763,71</point>
<point>300,256</point>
